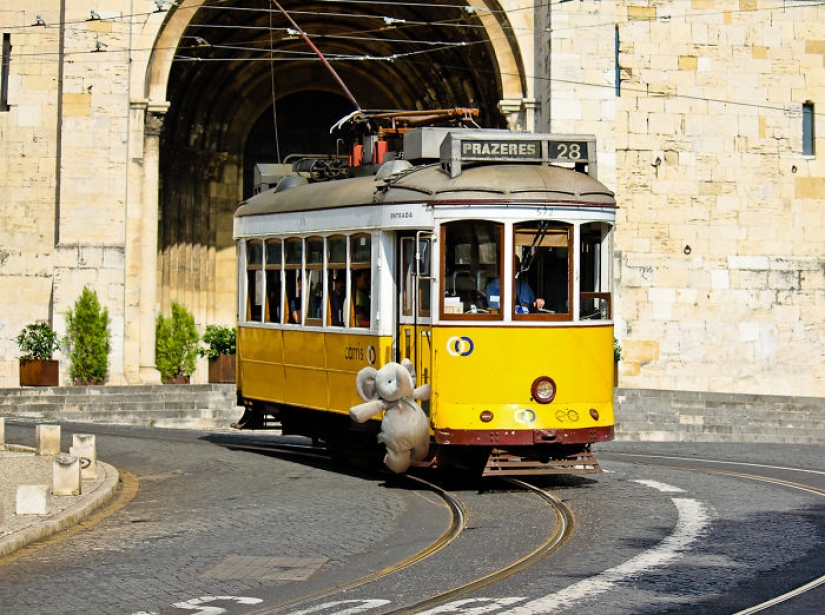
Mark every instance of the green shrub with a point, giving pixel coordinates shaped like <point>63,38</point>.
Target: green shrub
<point>617,351</point>
<point>219,339</point>
<point>176,343</point>
<point>37,341</point>
<point>88,340</point>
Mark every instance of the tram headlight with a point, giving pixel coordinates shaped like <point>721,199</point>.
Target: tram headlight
<point>543,389</point>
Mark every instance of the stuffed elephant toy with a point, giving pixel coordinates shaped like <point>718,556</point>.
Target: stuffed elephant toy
<point>404,428</point>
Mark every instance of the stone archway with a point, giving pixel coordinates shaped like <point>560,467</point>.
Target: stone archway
<point>216,71</point>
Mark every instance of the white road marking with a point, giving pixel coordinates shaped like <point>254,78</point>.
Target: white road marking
<point>359,607</point>
<point>199,604</point>
<point>663,487</point>
<point>693,519</point>
<point>483,605</point>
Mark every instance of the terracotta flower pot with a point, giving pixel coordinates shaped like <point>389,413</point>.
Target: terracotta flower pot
<point>39,373</point>
<point>222,369</point>
<point>179,379</point>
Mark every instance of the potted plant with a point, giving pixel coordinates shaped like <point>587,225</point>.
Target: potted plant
<point>176,345</point>
<point>617,356</point>
<point>220,351</point>
<point>38,342</point>
<point>88,340</point>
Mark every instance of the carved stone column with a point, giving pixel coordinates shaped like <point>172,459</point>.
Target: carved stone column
<point>155,114</point>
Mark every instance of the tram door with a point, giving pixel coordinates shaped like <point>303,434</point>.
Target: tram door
<point>415,303</point>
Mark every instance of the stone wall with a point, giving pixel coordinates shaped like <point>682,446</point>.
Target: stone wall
<point>720,261</point>
<point>689,416</point>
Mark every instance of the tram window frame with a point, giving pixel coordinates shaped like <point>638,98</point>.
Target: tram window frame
<point>410,275</point>
<point>459,304</point>
<point>293,282</point>
<point>254,280</point>
<point>360,260</point>
<point>425,287</point>
<point>273,266</point>
<point>595,279</point>
<point>313,299</point>
<point>538,280</point>
<point>336,269</point>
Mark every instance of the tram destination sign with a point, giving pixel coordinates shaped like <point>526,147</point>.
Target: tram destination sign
<point>495,150</point>
<point>460,148</point>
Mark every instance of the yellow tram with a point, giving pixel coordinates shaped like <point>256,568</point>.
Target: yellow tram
<point>482,256</point>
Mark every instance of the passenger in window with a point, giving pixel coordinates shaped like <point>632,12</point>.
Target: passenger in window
<point>526,299</point>
<point>362,298</point>
<point>336,302</point>
<point>295,304</point>
<point>316,297</point>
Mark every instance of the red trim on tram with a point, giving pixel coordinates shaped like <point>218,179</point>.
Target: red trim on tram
<point>523,437</point>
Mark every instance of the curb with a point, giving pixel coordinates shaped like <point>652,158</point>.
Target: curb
<point>70,517</point>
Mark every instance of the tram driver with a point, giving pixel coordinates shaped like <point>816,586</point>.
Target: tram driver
<point>526,299</point>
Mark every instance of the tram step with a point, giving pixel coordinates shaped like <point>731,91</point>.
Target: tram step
<point>501,463</point>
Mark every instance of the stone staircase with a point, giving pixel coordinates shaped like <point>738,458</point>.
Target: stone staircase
<point>641,414</point>
<point>191,406</point>
<point>689,416</point>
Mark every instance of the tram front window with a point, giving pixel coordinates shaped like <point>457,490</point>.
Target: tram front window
<point>542,265</point>
<point>472,258</point>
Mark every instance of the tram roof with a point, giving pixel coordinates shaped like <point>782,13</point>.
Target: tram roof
<point>511,182</point>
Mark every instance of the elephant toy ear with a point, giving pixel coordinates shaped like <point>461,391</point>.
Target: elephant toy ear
<point>365,384</point>
<point>410,368</point>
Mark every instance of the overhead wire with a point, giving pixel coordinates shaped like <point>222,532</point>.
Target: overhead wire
<point>433,46</point>
<point>273,93</point>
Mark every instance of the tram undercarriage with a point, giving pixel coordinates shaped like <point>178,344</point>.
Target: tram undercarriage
<point>357,443</point>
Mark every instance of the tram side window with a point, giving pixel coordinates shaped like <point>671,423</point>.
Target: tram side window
<point>336,280</point>
<point>315,280</point>
<point>595,297</point>
<point>361,280</point>
<point>542,266</point>
<point>254,280</point>
<point>425,248</point>
<point>294,280</point>
<point>471,265</point>
<point>410,270</point>
<point>273,280</point>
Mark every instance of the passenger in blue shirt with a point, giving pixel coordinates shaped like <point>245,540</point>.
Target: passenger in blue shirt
<point>526,299</point>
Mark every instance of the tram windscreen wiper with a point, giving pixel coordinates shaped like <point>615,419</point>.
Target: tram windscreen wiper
<point>538,238</point>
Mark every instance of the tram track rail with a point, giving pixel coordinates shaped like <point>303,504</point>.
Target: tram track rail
<point>685,463</point>
<point>563,528</point>
<point>458,519</point>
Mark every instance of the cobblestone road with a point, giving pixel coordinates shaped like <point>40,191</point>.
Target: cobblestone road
<point>211,521</point>
<point>208,521</point>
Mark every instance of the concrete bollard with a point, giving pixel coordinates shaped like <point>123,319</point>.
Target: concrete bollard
<point>83,446</point>
<point>65,475</point>
<point>47,440</point>
<point>32,500</point>
<point>2,433</point>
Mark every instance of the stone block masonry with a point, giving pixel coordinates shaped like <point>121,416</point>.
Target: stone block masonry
<point>211,406</point>
<point>690,416</point>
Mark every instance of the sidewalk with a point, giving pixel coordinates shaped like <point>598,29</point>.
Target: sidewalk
<point>20,466</point>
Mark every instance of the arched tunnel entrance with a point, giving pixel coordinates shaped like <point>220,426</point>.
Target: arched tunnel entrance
<point>303,120</point>
<point>244,86</point>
